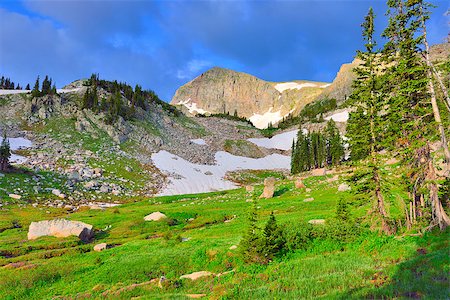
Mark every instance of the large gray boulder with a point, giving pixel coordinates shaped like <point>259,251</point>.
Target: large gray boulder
<point>60,228</point>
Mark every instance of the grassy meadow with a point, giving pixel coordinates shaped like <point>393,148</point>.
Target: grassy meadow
<point>197,236</point>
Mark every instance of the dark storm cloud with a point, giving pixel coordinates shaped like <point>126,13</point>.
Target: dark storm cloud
<point>162,45</point>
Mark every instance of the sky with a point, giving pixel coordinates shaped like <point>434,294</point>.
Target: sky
<point>161,45</point>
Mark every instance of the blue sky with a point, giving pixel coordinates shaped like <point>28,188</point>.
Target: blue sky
<point>164,44</point>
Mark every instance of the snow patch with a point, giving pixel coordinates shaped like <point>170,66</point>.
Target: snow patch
<point>282,141</point>
<point>12,92</point>
<point>189,178</point>
<point>339,117</point>
<point>325,85</point>
<point>192,107</point>
<point>199,141</point>
<point>293,85</point>
<point>17,144</point>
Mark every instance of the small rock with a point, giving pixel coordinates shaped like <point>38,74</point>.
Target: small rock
<point>249,188</point>
<point>317,221</point>
<point>15,196</point>
<point>308,190</point>
<point>196,275</point>
<point>56,192</point>
<point>308,199</point>
<point>155,216</point>
<point>233,247</point>
<point>343,187</point>
<point>299,184</point>
<point>100,247</point>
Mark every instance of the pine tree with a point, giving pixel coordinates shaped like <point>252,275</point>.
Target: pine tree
<point>411,117</point>
<point>273,238</point>
<point>252,245</point>
<point>5,153</point>
<point>36,92</point>
<point>27,87</point>
<point>335,148</point>
<point>367,125</point>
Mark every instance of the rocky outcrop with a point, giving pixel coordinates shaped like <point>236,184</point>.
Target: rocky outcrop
<point>60,228</point>
<point>220,90</point>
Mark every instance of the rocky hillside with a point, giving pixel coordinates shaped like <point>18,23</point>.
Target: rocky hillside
<point>220,90</point>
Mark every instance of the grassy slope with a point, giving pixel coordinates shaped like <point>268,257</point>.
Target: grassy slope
<point>372,266</point>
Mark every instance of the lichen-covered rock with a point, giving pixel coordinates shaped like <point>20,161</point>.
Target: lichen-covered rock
<point>60,228</point>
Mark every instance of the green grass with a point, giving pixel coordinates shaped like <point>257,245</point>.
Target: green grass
<point>371,266</point>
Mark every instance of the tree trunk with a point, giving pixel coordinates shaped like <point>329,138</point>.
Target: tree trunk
<point>437,115</point>
<point>439,215</point>
<point>442,86</point>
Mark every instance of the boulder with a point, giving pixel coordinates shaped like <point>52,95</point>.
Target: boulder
<point>155,216</point>
<point>196,275</point>
<point>299,184</point>
<point>343,187</point>
<point>269,188</point>
<point>100,247</point>
<point>60,228</point>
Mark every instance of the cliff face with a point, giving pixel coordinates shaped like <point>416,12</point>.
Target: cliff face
<point>221,90</point>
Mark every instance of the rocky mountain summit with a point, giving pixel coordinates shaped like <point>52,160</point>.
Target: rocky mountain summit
<point>222,91</point>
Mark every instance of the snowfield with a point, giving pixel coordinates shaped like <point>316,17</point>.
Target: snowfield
<point>282,141</point>
<point>339,117</point>
<point>187,178</point>
<point>262,121</point>
<point>16,144</point>
<point>192,107</point>
<point>293,85</point>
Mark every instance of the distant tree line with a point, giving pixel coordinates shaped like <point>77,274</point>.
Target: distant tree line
<point>7,84</point>
<point>317,149</point>
<point>122,101</point>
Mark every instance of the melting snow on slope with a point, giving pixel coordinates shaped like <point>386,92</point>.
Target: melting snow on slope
<point>339,117</point>
<point>192,107</point>
<point>293,85</point>
<point>282,141</point>
<point>188,178</point>
<point>16,144</point>
<point>199,141</point>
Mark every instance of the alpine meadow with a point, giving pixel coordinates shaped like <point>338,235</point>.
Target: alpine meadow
<point>169,171</point>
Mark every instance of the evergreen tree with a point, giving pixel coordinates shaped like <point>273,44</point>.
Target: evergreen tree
<point>335,148</point>
<point>367,125</point>
<point>46,85</point>
<point>273,238</point>
<point>252,245</point>
<point>5,153</point>
<point>36,92</point>
<point>411,117</point>
<point>27,87</point>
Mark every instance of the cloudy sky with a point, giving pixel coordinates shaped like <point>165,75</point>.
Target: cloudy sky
<point>164,44</point>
